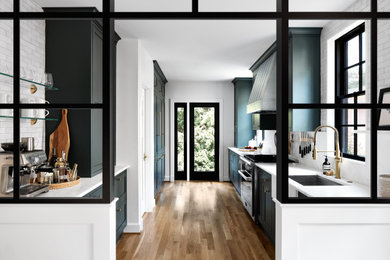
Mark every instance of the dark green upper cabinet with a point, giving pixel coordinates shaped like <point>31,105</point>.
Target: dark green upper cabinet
<point>74,56</point>
<point>242,121</point>
<point>305,77</point>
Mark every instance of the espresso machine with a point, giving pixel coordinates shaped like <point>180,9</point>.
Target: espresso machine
<point>29,161</point>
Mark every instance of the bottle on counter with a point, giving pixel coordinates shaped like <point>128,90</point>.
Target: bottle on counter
<point>326,166</point>
<point>61,166</point>
<point>53,158</point>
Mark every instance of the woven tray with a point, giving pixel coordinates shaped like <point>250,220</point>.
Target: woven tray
<point>63,185</point>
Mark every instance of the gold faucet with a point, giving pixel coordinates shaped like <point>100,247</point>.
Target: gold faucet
<point>338,159</point>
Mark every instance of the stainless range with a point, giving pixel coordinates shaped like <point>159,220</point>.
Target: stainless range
<point>247,171</point>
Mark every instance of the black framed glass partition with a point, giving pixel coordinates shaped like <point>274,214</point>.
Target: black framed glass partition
<point>370,13</point>
<point>57,103</point>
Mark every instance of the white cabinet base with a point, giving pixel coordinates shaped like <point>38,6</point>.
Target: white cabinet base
<point>337,232</point>
<point>58,231</point>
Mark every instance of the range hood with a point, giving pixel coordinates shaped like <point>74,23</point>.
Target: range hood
<point>263,95</point>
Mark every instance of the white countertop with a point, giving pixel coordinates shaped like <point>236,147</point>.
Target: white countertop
<point>237,151</point>
<point>86,185</point>
<point>346,190</point>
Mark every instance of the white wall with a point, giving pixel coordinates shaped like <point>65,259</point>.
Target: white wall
<point>32,58</point>
<point>134,74</point>
<point>204,92</point>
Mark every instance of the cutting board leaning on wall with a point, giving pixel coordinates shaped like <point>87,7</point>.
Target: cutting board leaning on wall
<point>60,138</point>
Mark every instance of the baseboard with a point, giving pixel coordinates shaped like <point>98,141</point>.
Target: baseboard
<point>133,227</point>
<point>166,178</point>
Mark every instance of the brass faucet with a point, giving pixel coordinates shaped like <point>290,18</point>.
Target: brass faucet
<point>338,159</point>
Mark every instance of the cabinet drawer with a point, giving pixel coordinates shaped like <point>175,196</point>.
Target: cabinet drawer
<point>120,210</point>
<point>120,184</point>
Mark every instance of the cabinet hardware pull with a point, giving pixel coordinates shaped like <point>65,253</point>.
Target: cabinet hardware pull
<point>118,178</point>
<point>266,191</point>
<point>118,210</point>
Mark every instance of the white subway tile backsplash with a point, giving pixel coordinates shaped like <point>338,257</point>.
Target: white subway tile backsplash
<point>32,50</point>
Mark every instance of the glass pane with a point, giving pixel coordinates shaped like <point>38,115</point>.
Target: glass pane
<point>53,70</point>
<point>383,60</point>
<point>353,79</point>
<point>153,6</point>
<point>362,117</point>
<point>361,141</point>
<point>364,77</point>
<point>180,139</point>
<point>6,62</point>
<point>314,177</point>
<point>204,139</point>
<point>383,162</point>
<point>364,44</point>
<point>347,117</point>
<point>6,153</point>
<point>383,6</point>
<point>39,5</point>
<point>329,6</point>
<point>237,6</point>
<point>6,6</point>
<point>348,140</point>
<point>353,51</point>
<point>313,71</point>
<point>63,153</point>
<point>384,119</point>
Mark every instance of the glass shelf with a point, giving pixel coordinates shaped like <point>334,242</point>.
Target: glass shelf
<point>32,118</point>
<point>30,81</point>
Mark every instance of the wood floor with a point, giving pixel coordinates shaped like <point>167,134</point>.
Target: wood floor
<point>197,220</point>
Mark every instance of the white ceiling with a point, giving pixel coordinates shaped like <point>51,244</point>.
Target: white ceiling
<point>202,50</point>
<point>205,50</point>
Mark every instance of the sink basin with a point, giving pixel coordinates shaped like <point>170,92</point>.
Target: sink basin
<point>313,180</point>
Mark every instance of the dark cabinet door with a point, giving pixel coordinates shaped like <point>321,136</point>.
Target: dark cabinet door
<point>159,127</point>
<point>265,206</point>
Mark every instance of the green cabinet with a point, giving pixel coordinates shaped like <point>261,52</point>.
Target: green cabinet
<point>264,204</point>
<point>159,127</point>
<point>120,192</point>
<point>305,77</point>
<point>234,166</point>
<point>242,121</point>
<point>74,56</point>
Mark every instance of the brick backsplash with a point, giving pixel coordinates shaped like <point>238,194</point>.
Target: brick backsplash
<point>32,57</point>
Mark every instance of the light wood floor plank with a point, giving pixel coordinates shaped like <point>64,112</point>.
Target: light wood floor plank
<point>197,221</point>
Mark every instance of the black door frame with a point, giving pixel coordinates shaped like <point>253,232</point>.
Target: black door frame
<point>180,175</point>
<point>204,175</point>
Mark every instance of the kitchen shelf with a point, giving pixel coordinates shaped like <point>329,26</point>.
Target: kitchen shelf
<point>32,118</point>
<point>30,81</point>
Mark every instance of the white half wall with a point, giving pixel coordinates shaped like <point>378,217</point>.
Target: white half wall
<point>58,231</point>
<point>337,232</point>
<point>222,92</point>
<point>135,77</point>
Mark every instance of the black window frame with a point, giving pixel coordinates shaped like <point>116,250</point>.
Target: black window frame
<point>282,15</point>
<point>342,95</point>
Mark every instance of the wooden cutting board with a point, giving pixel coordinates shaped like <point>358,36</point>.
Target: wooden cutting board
<point>60,138</point>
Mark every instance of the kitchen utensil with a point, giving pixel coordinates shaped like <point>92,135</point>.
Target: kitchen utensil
<point>9,147</point>
<point>29,141</point>
<point>60,138</point>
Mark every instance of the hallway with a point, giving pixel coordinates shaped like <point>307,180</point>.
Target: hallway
<point>197,220</point>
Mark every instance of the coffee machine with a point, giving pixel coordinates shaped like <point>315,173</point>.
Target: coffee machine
<point>29,161</point>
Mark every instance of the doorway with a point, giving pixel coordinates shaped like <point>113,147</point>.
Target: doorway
<point>202,137</point>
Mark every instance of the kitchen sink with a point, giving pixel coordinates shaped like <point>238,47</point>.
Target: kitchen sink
<point>313,180</point>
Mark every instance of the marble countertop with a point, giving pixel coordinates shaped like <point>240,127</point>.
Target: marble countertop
<point>86,185</point>
<point>348,189</point>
